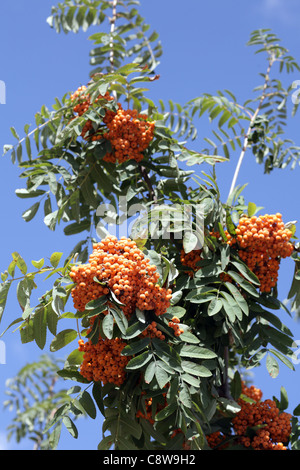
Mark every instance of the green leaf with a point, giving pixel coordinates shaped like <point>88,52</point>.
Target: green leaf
<point>246,272</point>
<point>77,227</point>
<point>247,286</point>
<point>88,192</point>
<point>14,133</point>
<point>166,412</point>
<point>284,401</point>
<point>130,427</point>
<point>55,259</point>
<point>214,306</point>
<point>31,212</point>
<point>238,297</point>
<point>55,436</point>
<point>38,264</point>
<point>20,262</point>
<point>195,369</point>
<point>189,242</point>
<point>176,311</point>
<point>4,289</point>
<point>191,380</point>
<point>94,304</point>
<point>71,374</point>
<point>120,319</point>
<point>26,193</point>
<point>188,337</point>
<point>108,325</point>
<point>40,327</point>
<point>167,354</point>
<point>236,386</point>
<point>272,366</point>
<point>74,359</point>
<point>139,361</point>
<point>283,358</point>
<point>26,333</point>
<point>188,350</point>
<point>185,396</point>
<point>106,443</point>
<point>135,347</point>
<point>197,297</point>
<point>161,376</point>
<point>135,330</point>
<point>70,426</point>
<point>63,338</point>
<point>229,224</point>
<point>88,404</point>
<point>24,289</point>
<point>97,394</point>
<point>230,306</point>
<point>149,372</point>
<point>251,209</point>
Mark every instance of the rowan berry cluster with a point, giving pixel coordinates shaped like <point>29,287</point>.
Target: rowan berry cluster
<point>262,242</point>
<point>191,260</point>
<point>83,104</point>
<point>259,425</point>
<point>120,266</point>
<point>174,323</point>
<point>215,440</point>
<point>128,131</point>
<point>83,101</point>
<point>148,412</point>
<point>153,332</point>
<point>273,427</point>
<point>129,134</point>
<point>103,361</point>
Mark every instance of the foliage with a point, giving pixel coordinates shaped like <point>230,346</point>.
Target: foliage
<point>34,397</point>
<point>174,387</point>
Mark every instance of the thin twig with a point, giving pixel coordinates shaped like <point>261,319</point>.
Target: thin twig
<point>145,176</point>
<point>253,118</point>
<point>112,30</point>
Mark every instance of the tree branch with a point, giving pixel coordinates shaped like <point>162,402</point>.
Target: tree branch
<point>147,180</point>
<point>253,118</point>
<point>112,30</point>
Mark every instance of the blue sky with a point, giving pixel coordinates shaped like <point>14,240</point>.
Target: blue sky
<point>205,50</point>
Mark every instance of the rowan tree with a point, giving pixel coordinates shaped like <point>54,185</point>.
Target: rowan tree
<point>167,319</point>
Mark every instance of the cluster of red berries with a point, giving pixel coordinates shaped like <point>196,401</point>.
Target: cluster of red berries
<point>128,131</point>
<point>261,243</point>
<point>129,134</point>
<point>274,427</point>
<point>120,267</point>
<point>190,260</point>
<point>153,332</point>
<point>103,361</point>
<point>270,427</point>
